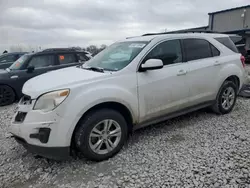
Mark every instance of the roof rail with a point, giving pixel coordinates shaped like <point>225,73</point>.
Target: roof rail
<point>61,49</point>
<point>187,31</point>
<point>131,37</point>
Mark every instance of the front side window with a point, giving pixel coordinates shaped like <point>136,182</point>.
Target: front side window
<point>117,56</point>
<point>169,52</point>
<point>42,61</point>
<point>66,58</point>
<point>197,49</point>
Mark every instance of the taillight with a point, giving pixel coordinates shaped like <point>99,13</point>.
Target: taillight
<point>242,58</point>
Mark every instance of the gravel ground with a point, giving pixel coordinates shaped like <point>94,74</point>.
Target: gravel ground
<point>196,150</point>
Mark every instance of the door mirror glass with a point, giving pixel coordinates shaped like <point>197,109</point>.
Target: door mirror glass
<point>152,64</point>
<point>30,69</point>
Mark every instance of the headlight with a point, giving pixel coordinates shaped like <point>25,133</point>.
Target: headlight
<point>49,101</point>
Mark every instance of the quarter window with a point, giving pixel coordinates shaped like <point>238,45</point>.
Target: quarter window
<point>226,41</point>
<point>215,51</point>
<point>42,61</point>
<point>169,52</point>
<point>197,49</point>
<point>66,58</point>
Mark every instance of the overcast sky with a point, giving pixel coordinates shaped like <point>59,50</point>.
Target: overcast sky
<point>62,23</point>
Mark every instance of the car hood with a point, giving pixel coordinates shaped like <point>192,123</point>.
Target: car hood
<point>3,73</point>
<point>60,79</point>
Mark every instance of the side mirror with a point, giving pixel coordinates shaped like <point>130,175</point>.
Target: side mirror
<point>152,64</point>
<point>30,69</point>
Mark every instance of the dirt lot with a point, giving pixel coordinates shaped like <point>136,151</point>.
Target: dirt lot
<point>196,150</point>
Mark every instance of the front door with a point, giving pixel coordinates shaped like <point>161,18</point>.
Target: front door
<point>165,90</point>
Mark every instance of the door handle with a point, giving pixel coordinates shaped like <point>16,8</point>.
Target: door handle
<point>181,72</point>
<point>217,63</point>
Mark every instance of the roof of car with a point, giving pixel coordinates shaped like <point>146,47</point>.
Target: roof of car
<point>181,35</point>
<point>57,51</point>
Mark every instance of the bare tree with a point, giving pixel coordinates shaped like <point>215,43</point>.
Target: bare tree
<point>93,49</point>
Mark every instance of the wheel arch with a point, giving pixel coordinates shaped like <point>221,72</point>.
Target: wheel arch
<point>235,79</point>
<point>121,108</point>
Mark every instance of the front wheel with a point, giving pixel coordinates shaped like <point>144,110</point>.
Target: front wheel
<point>226,98</point>
<point>101,134</point>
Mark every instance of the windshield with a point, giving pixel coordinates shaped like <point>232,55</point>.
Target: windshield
<point>117,56</point>
<point>18,63</point>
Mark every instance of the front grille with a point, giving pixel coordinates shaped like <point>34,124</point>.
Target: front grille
<point>26,100</point>
<point>20,116</point>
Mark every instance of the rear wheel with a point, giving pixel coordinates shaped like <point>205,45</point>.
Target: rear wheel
<point>101,134</point>
<point>226,98</point>
<point>7,95</point>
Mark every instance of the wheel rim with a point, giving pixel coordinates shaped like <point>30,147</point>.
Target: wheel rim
<point>228,98</point>
<point>6,95</point>
<point>105,136</point>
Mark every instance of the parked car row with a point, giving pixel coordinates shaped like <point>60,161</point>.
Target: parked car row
<point>91,108</point>
<point>30,65</point>
<point>7,59</point>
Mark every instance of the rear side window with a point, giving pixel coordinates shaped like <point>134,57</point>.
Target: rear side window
<point>66,58</point>
<point>197,49</point>
<point>226,41</point>
<point>42,61</point>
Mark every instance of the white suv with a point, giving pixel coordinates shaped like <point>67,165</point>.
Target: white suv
<point>133,83</point>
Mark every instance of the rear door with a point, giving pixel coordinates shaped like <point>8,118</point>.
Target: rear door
<point>204,63</point>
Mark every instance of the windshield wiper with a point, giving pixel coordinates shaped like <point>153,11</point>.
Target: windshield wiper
<point>96,69</point>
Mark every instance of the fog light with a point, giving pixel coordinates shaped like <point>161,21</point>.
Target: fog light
<point>42,135</point>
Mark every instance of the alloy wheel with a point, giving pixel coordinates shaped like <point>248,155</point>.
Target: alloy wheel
<point>228,97</point>
<point>105,136</point>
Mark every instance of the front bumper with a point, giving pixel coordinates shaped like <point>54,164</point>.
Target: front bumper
<point>57,153</point>
<point>45,134</point>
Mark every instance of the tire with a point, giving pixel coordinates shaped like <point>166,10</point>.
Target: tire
<point>93,125</point>
<point>7,95</point>
<point>219,107</point>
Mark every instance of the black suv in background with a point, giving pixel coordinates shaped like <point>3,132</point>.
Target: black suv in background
<point>7,59</point>
<point>30,65</point>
